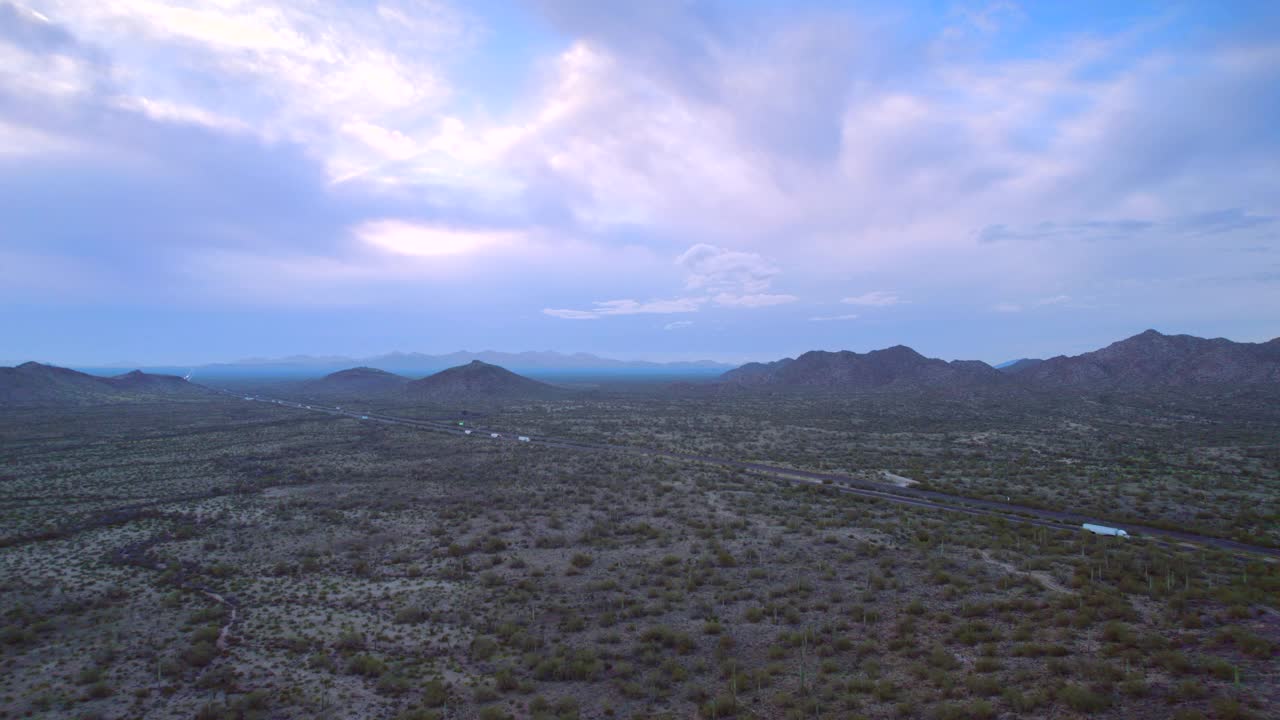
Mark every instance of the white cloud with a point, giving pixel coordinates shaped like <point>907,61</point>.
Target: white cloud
<point>754,300</point>
<point>354,86</point>
<point>829,318</point>
<point>166,111</point>
<point>406,238</point>
<point>629,307</point>
<point>711,267</point>
<point>729,278</point>
<point>1051,301</point>
<point>877,298</point>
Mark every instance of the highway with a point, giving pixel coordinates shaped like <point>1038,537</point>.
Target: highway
<point>914,497</point>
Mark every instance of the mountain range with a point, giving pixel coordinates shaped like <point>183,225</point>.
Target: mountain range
<point>416,364</point>
<point>1144,361</point>
<point>1147,360</point>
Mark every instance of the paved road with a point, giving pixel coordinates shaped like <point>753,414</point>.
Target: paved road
<point>916,497</point>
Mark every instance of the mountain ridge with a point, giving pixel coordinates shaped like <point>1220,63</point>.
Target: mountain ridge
<point>1146,360</point>
<point>33,383</point>
<point>898,365</point>
<point>414,363</point>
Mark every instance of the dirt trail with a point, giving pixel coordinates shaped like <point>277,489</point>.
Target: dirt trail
<point>136,554</point>
<point>226,629</point>
<point>1044,578</point>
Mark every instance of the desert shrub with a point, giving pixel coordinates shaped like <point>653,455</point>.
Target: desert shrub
<point>419,714</point>
<point>435,693</point>
<point>393,684</point>
<point>99,690</point>
<point>411,615</point>
<point>493,712</point>
<point>200,654</point>
<point>483,648</point>
<point>973,710</point>
<point>366,665</point>
<point>1083,699</point>
<point>350,641</point>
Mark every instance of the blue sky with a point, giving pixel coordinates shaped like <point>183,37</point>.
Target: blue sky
<point>186,181</point>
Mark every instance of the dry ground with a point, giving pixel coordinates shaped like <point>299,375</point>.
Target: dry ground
<point>378,571</point>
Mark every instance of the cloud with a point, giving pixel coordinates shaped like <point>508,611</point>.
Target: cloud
<point>830,318</point>
<point>629,307</point>
<point>677,325</point>
<point>406,238</point>
<point>876,298</point>
<point>323,75</point>
<point>1214,222</point>
<point>710,267</point>
<point>1054,300</point>
<point>153,147</point>
<point>729,279</point>
<point>754,300</point>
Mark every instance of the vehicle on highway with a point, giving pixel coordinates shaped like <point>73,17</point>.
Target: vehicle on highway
<point>466,432</point>
<point>494,435</point>
<point>364,417</point>
<point>523,438</point>
<point>1104,530</point>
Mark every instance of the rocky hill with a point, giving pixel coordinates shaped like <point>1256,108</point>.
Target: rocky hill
<point>33,383</point>
<point>479,381</point>
<point>898,366</point>
<point>1154,359</point>
<point>360,381</point>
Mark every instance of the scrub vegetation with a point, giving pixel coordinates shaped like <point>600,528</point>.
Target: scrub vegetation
<point>228,559</point>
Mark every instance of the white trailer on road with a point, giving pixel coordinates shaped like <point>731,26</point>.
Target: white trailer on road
<point>1104,530</point>
<point>523,438</point>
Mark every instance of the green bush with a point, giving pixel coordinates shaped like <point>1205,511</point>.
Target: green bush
<point>1083,699</point>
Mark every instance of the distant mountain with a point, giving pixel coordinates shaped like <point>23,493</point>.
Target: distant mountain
<point>1154,359</point>
<point>419,363</point>
<point>1148,360</point>
<point>898,366</point>
<point>479,381</point>
<point>361,381</point>
<point>1017,366</point>
<point>142,383</point>
<point>755,373</point>
<point>33,383</point>
<point>532,360</point>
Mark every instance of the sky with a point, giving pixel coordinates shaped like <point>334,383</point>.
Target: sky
<point>186,181</point>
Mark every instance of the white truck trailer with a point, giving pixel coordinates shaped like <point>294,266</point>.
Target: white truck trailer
<point>1104,530</point>
<point>523,438</point>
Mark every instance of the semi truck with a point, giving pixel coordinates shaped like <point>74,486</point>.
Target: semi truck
<point>1104,530</point>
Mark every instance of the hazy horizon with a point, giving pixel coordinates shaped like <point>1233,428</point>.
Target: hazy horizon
<point>662,358</point>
